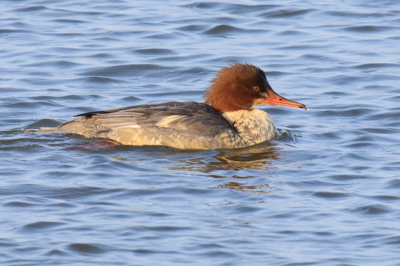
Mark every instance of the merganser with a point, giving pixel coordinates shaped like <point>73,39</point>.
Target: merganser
<point>225,120</point>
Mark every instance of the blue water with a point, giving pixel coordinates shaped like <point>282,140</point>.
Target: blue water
<point>327,192</point>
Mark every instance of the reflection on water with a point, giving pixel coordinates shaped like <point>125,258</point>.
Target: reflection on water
<point>214,164</point>
<point>258,157</point>
<point>245,188</point>
<point>218,164</point>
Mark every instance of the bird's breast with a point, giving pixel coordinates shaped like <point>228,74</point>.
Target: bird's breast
<point>254,126</point>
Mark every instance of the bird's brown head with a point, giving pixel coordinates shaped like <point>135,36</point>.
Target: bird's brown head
<point>240,86</point>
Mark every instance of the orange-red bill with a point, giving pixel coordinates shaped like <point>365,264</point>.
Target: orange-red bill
<point>276,99</point>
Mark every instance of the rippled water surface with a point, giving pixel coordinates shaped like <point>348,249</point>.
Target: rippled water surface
<point>327,192</point>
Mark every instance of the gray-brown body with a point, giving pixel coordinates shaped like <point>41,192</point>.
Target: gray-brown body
<point>184,125</point>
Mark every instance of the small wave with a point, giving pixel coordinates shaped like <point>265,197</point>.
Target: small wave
<point>192,28</point>
<point>374,209</point>
<point>30,9</point>
<point>124,70</point>
<point>349,14</point>
<point>155,51</point>
<point>102,80</point>
<point>44,123</point>
<point>286,135</point>
<point>330,195</point>
<point>70,21</point>
<point>86,248</point>
<point>56,63</point>
<point>376,65</point>
<point>224,29</point>
<point>56,252</point>
<point>232,8</point>
<point>30,105</point>
<point>351,112</point>
<point>204,5</point>
<point>5,31</point>
<point>286,13</point>
<point>43,225</point>
<point>367,29</point>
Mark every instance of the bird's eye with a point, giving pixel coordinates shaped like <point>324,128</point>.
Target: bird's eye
<point>256,88</point>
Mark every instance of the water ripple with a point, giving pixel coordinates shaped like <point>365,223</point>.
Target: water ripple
<point>43,225</point>
<point>375,209</point>
<point>30,9</point>
<point>286,13</point>
<point>368,29</point>
<point>225,29</point>
<point>86,249</point>
<point>124,70</point>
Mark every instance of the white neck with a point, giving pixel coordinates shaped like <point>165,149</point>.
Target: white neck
<point>253,126</point>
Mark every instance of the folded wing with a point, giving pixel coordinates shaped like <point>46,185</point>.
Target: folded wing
<point>185,125</point>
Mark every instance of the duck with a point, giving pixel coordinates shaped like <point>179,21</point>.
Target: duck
<point>225,120</point>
